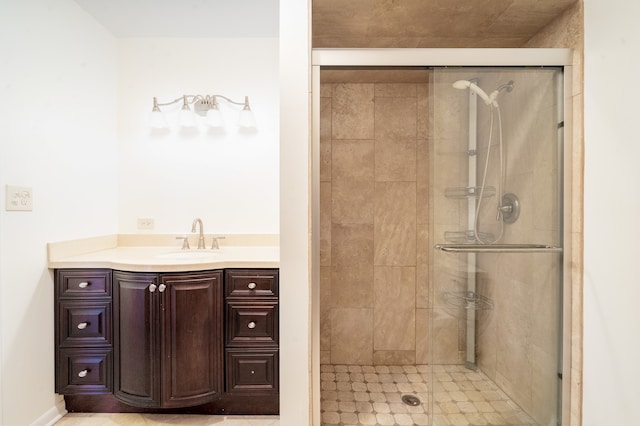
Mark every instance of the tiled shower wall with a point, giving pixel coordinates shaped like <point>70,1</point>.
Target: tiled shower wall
<point>374,223</point>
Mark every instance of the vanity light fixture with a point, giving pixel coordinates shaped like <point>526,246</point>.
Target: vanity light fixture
<point>204,105</point>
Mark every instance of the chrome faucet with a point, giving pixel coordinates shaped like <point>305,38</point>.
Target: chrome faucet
<point>197,221</point>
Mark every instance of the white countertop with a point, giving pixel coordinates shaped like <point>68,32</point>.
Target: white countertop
<point>154,258</point>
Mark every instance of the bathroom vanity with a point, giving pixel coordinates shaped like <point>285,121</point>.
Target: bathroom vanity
<point>188,334</point>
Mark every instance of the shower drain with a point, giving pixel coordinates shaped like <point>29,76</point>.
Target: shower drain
<point>411,400</point>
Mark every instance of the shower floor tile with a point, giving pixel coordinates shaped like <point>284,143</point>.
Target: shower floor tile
<point>372,395</point>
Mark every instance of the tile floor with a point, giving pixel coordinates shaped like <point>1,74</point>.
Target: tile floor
<point>369,395</point>
<point>372,395</point>
<point>89,419</point>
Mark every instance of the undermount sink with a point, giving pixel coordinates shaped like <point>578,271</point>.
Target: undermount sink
<point>189,255</point>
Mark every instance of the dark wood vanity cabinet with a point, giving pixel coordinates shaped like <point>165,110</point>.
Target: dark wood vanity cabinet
<point>251,303</point>
<point>131,341</point>
<point>168,338</point>
<point>83,333</point>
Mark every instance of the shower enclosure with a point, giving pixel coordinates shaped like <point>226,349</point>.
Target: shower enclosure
<point>439,206</point>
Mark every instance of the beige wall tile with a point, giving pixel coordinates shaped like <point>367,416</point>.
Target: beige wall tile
<point>444,337</point>
<point>345,324</point>
<point>325,139</point>
<point>352,201</point>
<point>326,90</point>
<point>352,160</point>
<point>394,357</point>
<point>544,395</point>
<point>422,94</point>
<point>422,260</point>
<point>394,328</point>
<point>325,160</point>
<point>396,118</point>
<point>422,181</point>
<point>352,265</point>
<point>395,90</point>
<point>325,223</point>
<point>395,159</point>
<point>423,337</point>
<point>395,224</point>
<point>352,111</point>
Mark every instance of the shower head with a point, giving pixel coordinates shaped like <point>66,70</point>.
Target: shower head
<point>463,84</point>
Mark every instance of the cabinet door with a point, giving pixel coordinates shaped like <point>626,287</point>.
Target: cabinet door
<point>192,338</point>
<point>136,338</point>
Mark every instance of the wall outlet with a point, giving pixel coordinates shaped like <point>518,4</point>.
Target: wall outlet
<point>19,198</point>
<point>145,223</point>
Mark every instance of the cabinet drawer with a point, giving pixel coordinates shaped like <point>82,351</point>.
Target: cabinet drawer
<point>83,283</point>
<point>251,283</point>
<point>251,323</point>
<point>251,371</point>
<point>84,371</point>
<point>84,323</point>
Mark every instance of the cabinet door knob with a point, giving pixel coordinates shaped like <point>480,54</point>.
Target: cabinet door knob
<point>252,286</point>
<point>152,288</point>
<point>83,373</point>
<point>82,325</point>
<point>251,325</point>
<point>162,288</point>
<point>83,284</point>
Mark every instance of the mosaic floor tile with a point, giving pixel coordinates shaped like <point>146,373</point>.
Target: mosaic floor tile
<point>372,395</point>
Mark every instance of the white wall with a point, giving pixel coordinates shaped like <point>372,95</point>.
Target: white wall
<point>612,209</point>
<point>57,135</point>
<point>295,311</point>
<point>230,178</point>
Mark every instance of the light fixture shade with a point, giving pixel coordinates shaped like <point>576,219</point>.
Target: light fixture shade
<point>246,119</point>
<point>158,120</point>
<point>186,118</point>
<point>214,118</point>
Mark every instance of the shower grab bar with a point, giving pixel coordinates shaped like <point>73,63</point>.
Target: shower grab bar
<point>498,248</point>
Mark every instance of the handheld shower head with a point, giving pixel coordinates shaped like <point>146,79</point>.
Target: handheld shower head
<point>463,84</point>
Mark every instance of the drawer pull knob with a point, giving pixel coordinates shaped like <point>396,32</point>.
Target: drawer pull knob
<point>82,325</point>
<point>83,373</point>
<point>162,288</point>
<point>83,284</point>
<point>252,286</point>
<point>152,288</point>
<point>253,372</point>
<point>251,325</point>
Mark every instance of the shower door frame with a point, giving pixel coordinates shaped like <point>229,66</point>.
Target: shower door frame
<point>442,58</point>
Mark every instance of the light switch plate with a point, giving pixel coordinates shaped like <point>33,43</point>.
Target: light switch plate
<point>145,223</point>
<point>19,198</point>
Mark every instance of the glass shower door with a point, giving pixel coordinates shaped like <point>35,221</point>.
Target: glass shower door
<point>496,272</point>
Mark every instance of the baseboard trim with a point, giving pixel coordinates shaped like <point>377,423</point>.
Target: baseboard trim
<point>52,415</point>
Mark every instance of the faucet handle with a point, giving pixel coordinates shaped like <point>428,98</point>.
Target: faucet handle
<point>185,242</point>
<point>214,242</point>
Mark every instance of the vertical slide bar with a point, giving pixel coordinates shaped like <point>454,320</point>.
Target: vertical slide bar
<point>471,210</point>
